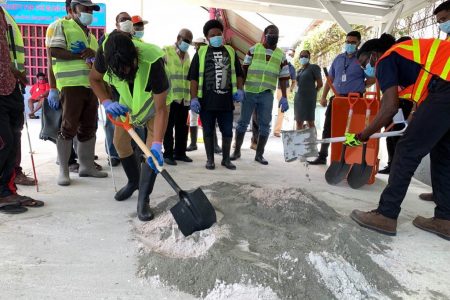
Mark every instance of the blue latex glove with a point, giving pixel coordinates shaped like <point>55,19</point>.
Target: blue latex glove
<point>283,104</point>
<point>114,108</point>
<point>238,96</point>
<point>77,47</point>
<point>156,150</point>
<point>53,99</point>
<point>195,105</point>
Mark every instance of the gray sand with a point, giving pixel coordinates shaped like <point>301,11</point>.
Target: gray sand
<point>285,240</point>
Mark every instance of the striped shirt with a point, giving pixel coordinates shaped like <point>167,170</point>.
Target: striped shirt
<point>284,66</point>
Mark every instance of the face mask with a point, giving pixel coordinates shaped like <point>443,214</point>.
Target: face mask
<point>304,60</point>
<point>86,18</point>
<point>139,34</point>
<point>126,26</point>
<point>183,46</point>
<point>216,41</point>
<point>350,48</point>
<point>369,70</point>
<point>272,40</point>
<point>445,27</point>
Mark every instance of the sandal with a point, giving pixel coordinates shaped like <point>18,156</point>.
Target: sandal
<point>12,208</point>
<point>29,202</point>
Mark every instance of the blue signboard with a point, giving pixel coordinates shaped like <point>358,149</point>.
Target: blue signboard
<point>44,13</point>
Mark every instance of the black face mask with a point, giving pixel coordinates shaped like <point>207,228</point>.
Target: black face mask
<point>272,40</point>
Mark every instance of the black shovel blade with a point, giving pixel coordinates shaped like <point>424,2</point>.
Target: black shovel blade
<point>337,171</point>
<point>360,173</point>
<point>193,212</point>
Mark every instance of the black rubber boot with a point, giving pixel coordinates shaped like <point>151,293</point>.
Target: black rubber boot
<point>131,168</point>
<point>237,149</point>
<point>262,141</point>
<point>209,148</point>
<point>226,146</point>
<point>146,183</point>
<point>217,149</point>
<point>194,132</point>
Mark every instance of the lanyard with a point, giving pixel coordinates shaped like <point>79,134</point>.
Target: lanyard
<point>345,64</point>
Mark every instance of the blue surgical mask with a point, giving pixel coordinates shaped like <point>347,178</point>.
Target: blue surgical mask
<point>183,46</point>
<point>139,34</point>
<point>304,60</point>
<point>216,41</point>
<point>86,18</point>
<point>445,27</point>
<point>369,70</point>
<point>350,48</point>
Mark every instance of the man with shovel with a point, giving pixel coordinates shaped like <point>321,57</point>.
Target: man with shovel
<point>136,70</point>
<point>420,68</point>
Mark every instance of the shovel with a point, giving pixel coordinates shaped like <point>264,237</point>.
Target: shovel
<point>193,212</point>
<point>337,171</point>
<point>360,173</point>
<point>300,144</point>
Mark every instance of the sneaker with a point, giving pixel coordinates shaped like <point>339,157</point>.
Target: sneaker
<point>426,197</point>
<point>385,171</point>
<point>437,226</point>
<point>375,221</point>
<point>320,160</point>
<point>23,179</point>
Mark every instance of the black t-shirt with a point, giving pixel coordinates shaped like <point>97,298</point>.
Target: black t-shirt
<point>157,81</point>
<point>217,88</point>
<point>396,70</point>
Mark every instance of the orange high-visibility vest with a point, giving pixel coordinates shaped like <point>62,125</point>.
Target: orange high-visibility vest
<point>433,55</point>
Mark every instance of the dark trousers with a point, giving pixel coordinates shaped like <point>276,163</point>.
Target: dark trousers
<point>79,113</point>
<point>428,132</point>
<point>11,122</point>
<point>177,119</point>
<point>224,120</point>
<point>326,133</point>
<point>391,142</point>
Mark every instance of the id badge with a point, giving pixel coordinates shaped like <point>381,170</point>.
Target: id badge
<point>344,77</point>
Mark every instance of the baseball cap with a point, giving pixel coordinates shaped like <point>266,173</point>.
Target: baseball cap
<point>86,3</point>
<point>138,19</point>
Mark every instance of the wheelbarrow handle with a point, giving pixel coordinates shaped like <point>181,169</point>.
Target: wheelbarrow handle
<point>129,128</point>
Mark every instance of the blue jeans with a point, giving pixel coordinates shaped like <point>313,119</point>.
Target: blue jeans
<point>109,131</point>
<point>224,120</point>
<point>263,104</point>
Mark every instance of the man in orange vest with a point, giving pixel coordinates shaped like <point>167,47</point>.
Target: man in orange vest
<point>442,13</point>
<point>422,66</point>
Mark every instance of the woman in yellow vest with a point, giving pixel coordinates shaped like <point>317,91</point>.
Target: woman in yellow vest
<point>136,70</point>
<point>216,81</point>
<point>263,66</point>
<point>422,68</point>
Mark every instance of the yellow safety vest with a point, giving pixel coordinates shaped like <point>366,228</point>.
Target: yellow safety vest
<point>202,57</point>
<point>262,75</point>
<point>140,103</point>
<point>18,41</point>
<point>73,72</point>
<point>177,72</point>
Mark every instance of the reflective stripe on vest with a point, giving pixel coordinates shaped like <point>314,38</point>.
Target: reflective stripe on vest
<point>432,55</point>
<point>140,103</point>
<point>263,75</point>
<point>177,73</point>
<point>202,57</point>
<point>18,41</point>
<point>73,72</point>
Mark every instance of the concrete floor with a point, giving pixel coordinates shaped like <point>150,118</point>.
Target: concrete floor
<point>81,246</point>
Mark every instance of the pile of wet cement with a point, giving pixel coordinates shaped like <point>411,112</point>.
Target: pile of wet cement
<point>283,240</point>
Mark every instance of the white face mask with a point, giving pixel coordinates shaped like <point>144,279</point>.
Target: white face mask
<point>125,26</point>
